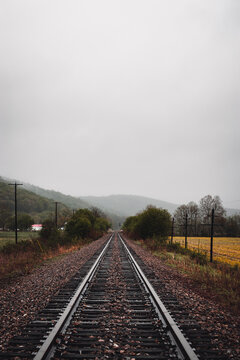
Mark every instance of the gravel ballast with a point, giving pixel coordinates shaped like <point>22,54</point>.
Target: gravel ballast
<point>25,296</point>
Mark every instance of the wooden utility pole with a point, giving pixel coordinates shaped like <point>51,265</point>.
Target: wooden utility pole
<point>16,227</point>
<point>186,230</point>
<point>56,214</point>
<point>172,230</point>
<point>212,233</point>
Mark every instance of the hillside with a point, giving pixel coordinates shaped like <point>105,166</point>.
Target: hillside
<point>70,201</point>
<point>39,207</point>
<point>127,205</point>
<point>51,196</point>
<point>75,203</point>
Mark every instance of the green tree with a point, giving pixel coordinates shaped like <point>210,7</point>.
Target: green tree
<point>101,224</point>
<point>79,226</point>
<point>49,230</point>
<point>5,215</point>
<point>10,224</point>
<point>87,223</point>
<point>97,212</point>
<point>152,222</point>
<point>25,221</point>
<point>130,225</point>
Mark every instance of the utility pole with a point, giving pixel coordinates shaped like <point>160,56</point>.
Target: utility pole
<point>212,232</point>
<point>186,228</point>
<point>172,230</point>
<point>56,214</point>
<point>16,233</point>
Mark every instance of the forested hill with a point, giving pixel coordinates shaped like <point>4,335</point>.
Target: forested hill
<point>70,201</point>
<point>50,196</point>
<point>75,203</point>
<point>39,207</point>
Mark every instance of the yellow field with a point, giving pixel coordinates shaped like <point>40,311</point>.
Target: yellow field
<point>224,249</point>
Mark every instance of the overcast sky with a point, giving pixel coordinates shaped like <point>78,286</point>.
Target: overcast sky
<point>122,97</point>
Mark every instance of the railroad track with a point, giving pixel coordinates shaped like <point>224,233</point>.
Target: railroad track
<point>110,310</point>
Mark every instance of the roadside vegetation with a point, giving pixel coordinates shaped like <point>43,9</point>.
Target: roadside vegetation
<point>217,280</point>
<point>83,227</point>
<point>8,237</point>
<point>225,249</point>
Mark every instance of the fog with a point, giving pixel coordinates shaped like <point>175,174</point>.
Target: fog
<point>122,97</point>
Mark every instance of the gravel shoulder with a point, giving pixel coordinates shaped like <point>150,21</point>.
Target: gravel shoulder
<point>223,326</point>
<point>24,297</point>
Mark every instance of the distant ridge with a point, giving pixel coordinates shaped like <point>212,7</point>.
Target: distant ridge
<point>116,207</point>
<point>127,205</point>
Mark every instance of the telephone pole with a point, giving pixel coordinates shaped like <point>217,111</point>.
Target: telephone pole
<point>212,231</point>
<point>56,213</point>
<point>186,230</point>
<point>172,230</point>
<point>16,231</point>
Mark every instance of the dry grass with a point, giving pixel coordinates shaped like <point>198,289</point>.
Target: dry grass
<point>11,265</point>
<point>226,250</point>
<point>20,259</point>
<point>218,280</point>
<point>8,237</point>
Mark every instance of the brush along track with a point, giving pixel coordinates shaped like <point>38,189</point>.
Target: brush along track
<point>115,317</point>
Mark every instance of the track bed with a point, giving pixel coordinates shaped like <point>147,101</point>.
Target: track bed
<point>114,316</point>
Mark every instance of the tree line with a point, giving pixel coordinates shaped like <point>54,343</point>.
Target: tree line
<point>84,223</point>
<point>199,218</point>
<point>153,222</point>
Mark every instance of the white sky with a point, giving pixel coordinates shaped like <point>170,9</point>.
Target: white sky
<point>125,97</point>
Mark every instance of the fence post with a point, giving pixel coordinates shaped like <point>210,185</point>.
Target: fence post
<point>186,228</point>
<point>172,230</point>
<point>212,232</point>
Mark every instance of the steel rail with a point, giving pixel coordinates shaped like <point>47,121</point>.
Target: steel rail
<point>49,341</point>
<point>182,343</point>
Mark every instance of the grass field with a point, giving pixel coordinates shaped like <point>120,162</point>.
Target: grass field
<point>8,237</point>
<point>224,249</point>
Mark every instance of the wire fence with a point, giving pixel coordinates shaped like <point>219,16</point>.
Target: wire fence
<point>221,248</point>
<point>225,249</point>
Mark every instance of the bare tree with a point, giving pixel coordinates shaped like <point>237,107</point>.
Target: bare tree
<point>207,203</point>
<point>193,215</point>
<point>180,218</point>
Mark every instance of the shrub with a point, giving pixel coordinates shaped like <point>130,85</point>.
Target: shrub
<point>49,230</point>
<point>150,223</point>
<point>79,226</point>
<point>87,223</point>
<point>199,257</point>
